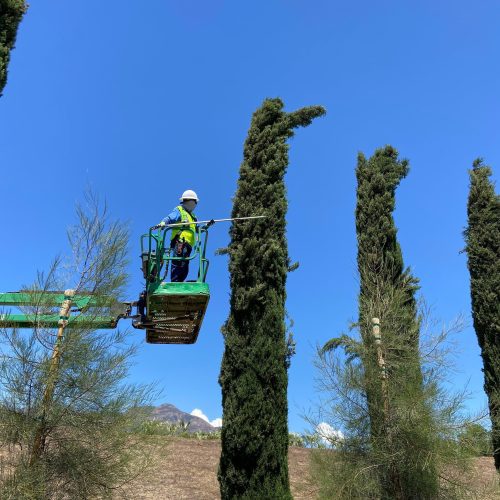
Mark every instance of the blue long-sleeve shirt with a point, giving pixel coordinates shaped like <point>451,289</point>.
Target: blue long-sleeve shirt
<point>173,217</point>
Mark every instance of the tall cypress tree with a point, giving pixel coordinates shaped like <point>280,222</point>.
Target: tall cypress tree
<point>253,374</point>
<point>11,13</point>
<point>483,251</point>
<point>400,421</point>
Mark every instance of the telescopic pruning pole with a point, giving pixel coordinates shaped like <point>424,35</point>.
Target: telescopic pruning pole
<point>208,222</point>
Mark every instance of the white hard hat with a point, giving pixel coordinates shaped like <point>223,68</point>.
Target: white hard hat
<point>189,195</point>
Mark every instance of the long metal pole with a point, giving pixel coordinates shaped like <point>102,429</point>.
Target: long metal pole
<point>40,436</point>
<point>210,222</point>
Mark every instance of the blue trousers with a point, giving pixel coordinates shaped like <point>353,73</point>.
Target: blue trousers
<point>180,268</point>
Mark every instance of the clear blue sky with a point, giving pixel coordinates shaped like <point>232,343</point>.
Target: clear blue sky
<point>142,100</point>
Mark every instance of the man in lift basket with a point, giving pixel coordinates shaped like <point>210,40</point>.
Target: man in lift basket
<point>183,238</point>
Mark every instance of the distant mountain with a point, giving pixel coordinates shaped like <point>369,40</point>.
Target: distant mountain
<point>169,413</point>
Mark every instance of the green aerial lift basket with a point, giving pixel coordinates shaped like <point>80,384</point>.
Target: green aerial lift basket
<point>175,312</point>
<point>172,312</point>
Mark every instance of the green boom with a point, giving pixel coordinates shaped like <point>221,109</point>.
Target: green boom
<point>40,301</point>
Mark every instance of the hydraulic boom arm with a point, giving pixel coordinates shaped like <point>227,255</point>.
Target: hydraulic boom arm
<point>95,312</point>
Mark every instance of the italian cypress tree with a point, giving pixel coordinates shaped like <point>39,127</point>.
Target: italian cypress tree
<point>483,251</point>
<point>400,420</point>
<point>11,13</point>
<point>253,374</point>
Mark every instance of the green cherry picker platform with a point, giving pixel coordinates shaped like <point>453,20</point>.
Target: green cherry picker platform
<point>172,312</point>
<point>169,312</point>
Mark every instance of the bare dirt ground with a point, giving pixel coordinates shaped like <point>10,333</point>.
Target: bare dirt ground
<point>188,470</point>
<point>486,479</point>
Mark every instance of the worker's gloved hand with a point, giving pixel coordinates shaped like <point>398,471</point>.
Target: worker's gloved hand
<point>161,225</point>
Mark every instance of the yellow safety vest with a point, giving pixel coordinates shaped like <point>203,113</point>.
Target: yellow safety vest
<point>188,232</point>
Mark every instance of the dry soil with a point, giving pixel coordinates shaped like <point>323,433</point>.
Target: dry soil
<point>187,469</point>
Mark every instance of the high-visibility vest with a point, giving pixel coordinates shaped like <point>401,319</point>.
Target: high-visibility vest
<point>186,233</point>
